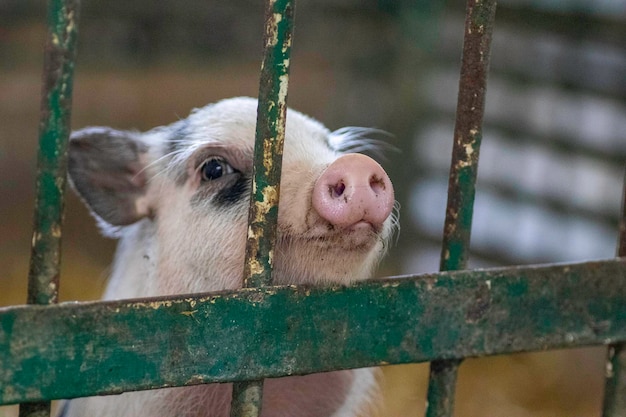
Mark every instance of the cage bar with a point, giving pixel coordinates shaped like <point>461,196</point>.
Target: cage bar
<point>54,128</point>
<point>268,149</point>
<point>49,352</point>
<point>479,19</point>
<point>615,384</point>
<point>247,396</point>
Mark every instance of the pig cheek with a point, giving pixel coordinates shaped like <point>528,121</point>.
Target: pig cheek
<point>199,250</point>
<point>295,199</point>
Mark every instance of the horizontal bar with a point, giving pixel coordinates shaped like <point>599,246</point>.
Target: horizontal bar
<point>79,349</point>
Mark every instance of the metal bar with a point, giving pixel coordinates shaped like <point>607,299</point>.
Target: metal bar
<point>442,381</point>
<point>467,134</point>
<point>54,127</point>
<point>268,150</point>
<point>615,385</point>
<point>54,131</point>
<point>479,18</point>
<point>49,352</point>
<point>247,397</point>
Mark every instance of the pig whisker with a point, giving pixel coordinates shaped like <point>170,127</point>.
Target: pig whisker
<point>395,223</point>
<point>156,162</point>
<point>175,157</point>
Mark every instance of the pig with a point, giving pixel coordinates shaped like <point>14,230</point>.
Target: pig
<point>177,198</point>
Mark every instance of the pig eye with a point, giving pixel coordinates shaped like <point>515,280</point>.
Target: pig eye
<point>214,168</point>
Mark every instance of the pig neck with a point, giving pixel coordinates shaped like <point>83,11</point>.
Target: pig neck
<point>134,270</point>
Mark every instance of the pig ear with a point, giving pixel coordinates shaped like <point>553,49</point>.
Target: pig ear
<point>106,168</point>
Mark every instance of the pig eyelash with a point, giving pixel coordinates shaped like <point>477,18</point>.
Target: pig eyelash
<point>355,139</point>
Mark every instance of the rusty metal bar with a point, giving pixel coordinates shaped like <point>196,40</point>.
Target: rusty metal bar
<point>615,385</point>
<point>54,128</point>
<point>247,397</point>
<point>479,20</point>
<point>49,352</point>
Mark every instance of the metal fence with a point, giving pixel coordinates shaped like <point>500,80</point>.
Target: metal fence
<point>496,311</point>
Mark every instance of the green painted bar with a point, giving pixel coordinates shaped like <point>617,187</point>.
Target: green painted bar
<point>270,137</point>
<point>54,128</point>
<point>268,153</point>
<point>442,384</point>
<point>81,349</point>
<point>614,404</point>
<point>467,134</point>
<point>54,132</point>
<point>479,20</point>
<point>36,409</point>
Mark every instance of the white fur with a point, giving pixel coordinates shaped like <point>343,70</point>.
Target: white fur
<point>181,248</point>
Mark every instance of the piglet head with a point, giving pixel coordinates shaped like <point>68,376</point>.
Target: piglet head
<point>178,197</point>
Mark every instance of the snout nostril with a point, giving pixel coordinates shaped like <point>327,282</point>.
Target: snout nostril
<point>377,184</point>
<point>337,189</point>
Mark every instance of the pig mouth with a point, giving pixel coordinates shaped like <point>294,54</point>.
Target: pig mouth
<point>359,237</point>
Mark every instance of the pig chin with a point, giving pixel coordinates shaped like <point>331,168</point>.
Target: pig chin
<point>337,257</point>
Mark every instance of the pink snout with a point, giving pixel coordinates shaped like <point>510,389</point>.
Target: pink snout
<point>353,189</point>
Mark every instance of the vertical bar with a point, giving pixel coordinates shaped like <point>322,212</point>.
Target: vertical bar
<point>54,128</point>
<point>268,148</point>
<point>247,399</point>
<point>268,151</point>
<point>479,18</point>
<point>615,384</point>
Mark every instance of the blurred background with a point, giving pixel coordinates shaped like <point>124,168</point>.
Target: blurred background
<point>552,158</point>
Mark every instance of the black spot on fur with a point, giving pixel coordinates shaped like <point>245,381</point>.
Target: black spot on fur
<point>233,194</point>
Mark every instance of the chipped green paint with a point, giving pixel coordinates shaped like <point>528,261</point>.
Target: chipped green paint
<point>268,154</point>
<point>467,134</point>
<point>49,352</point>
<point>270,136</point>
<point>52,160</point>
<point>54,127</point>
<point>479,18</point>
<point>614,404</point>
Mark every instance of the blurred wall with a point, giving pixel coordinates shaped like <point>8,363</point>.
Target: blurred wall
<point>550,174</point>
